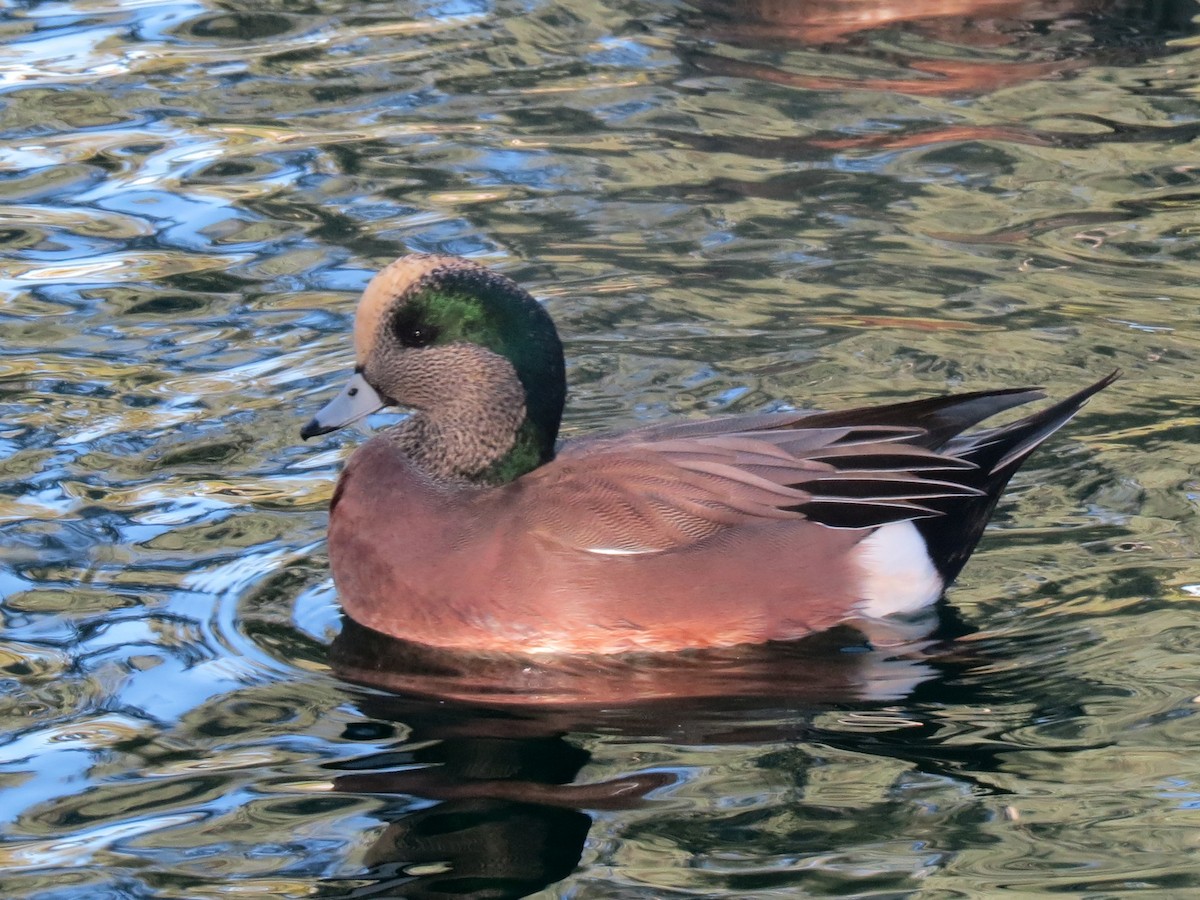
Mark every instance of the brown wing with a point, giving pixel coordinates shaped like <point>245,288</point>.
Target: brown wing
<point>664,486</point>
<point>931,422</point>
<point>656,495</point>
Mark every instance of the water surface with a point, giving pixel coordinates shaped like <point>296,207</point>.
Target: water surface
<point>727,207</point>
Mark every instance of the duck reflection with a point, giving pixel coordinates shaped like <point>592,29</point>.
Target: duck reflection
<point>509,821</point>
<point>947,48</point>
<point>1056,36</point>
<point>486,738</point>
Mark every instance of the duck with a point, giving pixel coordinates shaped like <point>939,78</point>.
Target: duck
<point>468,527</point>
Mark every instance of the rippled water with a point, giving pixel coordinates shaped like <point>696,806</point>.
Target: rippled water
<point>726,206</point>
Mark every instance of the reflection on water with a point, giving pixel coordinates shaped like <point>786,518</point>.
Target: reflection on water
<point>727,207</point>
<point>802,762</point>
<point>508,821</point>
<point>1009,40</point>
<point>512,785</point>
<point>831,666</point>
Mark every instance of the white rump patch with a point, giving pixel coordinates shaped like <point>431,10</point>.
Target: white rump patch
<point>897,574</point>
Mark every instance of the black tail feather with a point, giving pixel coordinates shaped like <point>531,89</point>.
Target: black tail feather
<point>997,453</point>
<point>941,418</point>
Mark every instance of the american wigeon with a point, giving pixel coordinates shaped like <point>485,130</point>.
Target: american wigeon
<point>465,527</point>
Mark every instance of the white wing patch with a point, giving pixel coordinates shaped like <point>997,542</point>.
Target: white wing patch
<point>897,574</point>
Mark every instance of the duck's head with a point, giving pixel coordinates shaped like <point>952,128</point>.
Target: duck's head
<point>465,348</point>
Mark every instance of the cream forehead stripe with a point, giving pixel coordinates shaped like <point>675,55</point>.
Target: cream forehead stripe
<point>384,288</point>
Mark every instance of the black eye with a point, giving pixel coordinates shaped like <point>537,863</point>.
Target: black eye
<point>411,330</point>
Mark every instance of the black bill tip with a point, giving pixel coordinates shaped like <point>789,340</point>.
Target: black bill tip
<point>313,429</point>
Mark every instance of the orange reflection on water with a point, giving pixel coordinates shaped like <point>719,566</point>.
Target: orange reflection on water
<point>1006,37</point>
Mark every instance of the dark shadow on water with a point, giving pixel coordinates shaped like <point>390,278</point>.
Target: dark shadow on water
<point>508,820</point>
<point>488,740</point>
